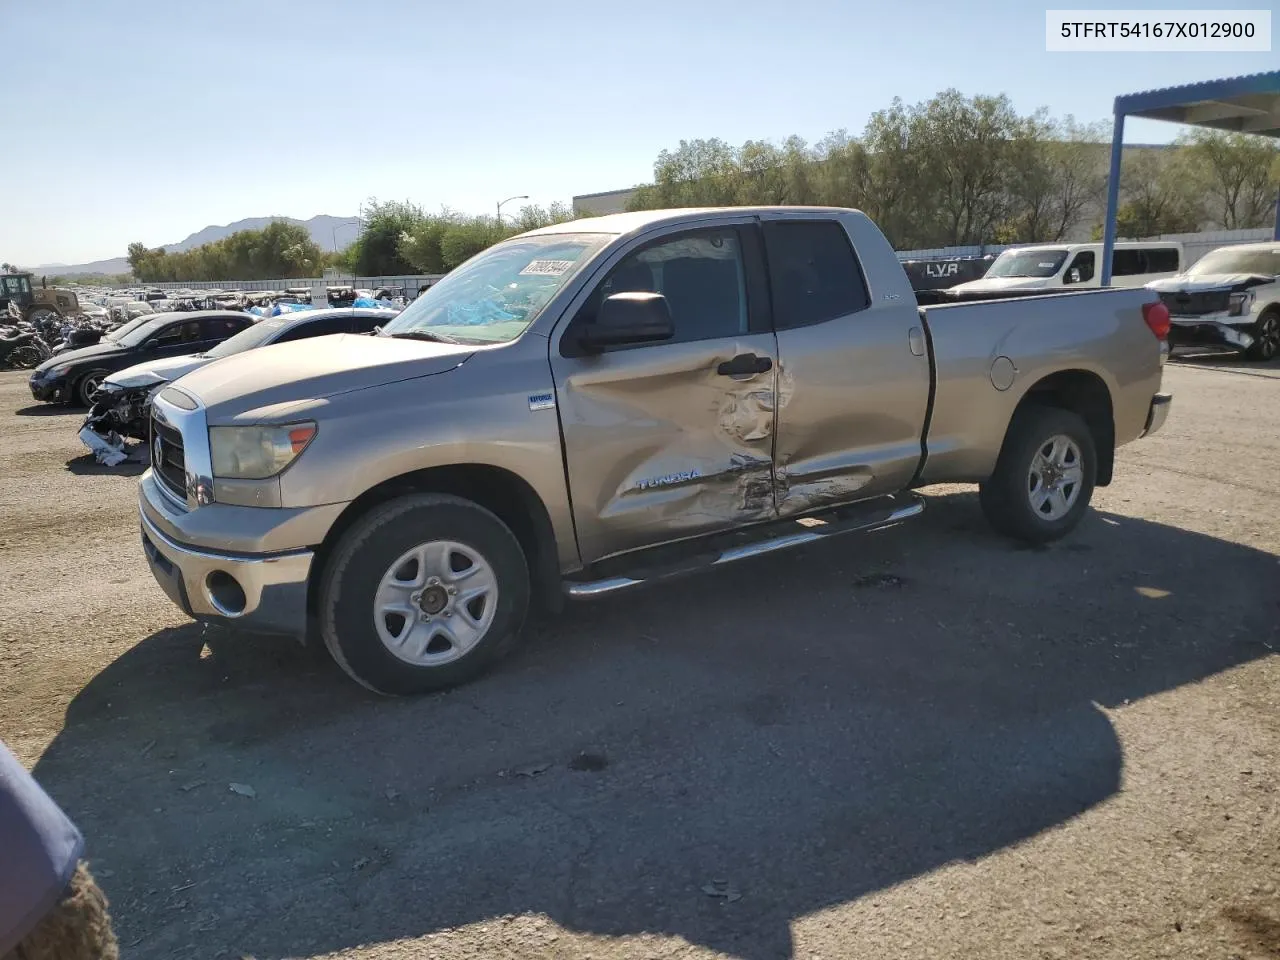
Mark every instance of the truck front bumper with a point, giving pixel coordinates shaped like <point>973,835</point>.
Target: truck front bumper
<point>261,592</point>
<point>1209,332</point>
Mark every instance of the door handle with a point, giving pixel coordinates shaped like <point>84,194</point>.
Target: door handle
<point>744,365</point>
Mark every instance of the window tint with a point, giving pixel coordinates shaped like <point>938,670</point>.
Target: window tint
<point>1127,263</point>
<point>1163,260</point>
<point>814,273</point>
<point>219,328</point>
<point>188,332</point>
<point>315,328</point>
<point>1083,266</point>
<point>363,323</point>
<point>701,275</point>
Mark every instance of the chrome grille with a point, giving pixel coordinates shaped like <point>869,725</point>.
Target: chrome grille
<point>167,458</point>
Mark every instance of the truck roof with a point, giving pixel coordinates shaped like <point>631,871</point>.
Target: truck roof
<point>620,223</point>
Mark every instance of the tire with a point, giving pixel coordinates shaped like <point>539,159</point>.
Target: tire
<point>1266,337</point>
<point>25,357</point>
<point>438,647</point>
<point>1015,496</point>
<point>87,385</point>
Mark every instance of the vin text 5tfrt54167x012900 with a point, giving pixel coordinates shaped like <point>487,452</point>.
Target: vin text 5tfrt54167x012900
<point>603,403</point>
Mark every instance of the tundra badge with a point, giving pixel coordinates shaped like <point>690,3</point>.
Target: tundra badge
<point>542,401</point>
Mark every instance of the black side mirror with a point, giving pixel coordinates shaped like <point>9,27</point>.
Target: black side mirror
<point>629,318</point>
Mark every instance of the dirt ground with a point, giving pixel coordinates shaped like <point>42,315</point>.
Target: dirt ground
<point>922,743</point>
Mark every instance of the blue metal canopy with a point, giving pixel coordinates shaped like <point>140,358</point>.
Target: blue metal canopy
<point>1240,104</point>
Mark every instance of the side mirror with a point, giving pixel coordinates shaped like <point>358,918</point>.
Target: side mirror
<point>629,318</point>
<point>1073,275</point>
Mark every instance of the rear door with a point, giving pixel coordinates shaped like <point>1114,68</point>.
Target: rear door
<point>853,389</point>
<point>664,441</point>
<point>176,340</point>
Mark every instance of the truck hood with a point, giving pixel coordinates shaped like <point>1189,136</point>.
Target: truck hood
<point>252,383</point>
<point>169,368</point>
<point>993,284</point>
<point>1210,281</point>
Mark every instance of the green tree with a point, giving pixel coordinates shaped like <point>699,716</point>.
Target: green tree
<point>1234,170</point>
<point>1160,195</point>
<point>377,250</point>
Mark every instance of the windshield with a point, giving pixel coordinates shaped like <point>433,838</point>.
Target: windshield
<point>495,295</point>
<point>1264,260</point>
<point>1027,263</point>
<point>135,336</point>
<point>127,328</point>
<point>246,339</point>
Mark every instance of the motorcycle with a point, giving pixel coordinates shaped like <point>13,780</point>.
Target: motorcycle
<point>22,350</point>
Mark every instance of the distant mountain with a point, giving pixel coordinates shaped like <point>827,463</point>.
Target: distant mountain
<point>320,227</point>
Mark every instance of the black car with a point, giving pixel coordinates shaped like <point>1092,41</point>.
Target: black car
<point>73,377</point>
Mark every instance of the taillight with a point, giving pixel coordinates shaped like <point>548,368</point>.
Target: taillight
<point>1157,317</point>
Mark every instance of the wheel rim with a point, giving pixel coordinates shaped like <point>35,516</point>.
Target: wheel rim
<point>1053,482</point>
<point>435,603</point>
<point>1269,337</point>
<point>89,386</point>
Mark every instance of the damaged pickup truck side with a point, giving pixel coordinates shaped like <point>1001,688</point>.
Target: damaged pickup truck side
<point>599,404</point>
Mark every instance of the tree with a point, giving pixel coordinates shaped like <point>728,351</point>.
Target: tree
<point>1160,195</point>
<point>1234,170</point>
<point>279,250</point>
<point>377,251</point>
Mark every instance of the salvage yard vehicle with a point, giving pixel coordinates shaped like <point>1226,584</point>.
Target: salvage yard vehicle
<point>38,305</point>
<point>123,402</point>
<point>1076,266</point>
<point>74,376</point>
<point>600,404</point>
<point>1230,298</point>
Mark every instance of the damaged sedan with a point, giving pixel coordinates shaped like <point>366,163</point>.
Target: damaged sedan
<point>122,404</point>
<point>1229,298</point>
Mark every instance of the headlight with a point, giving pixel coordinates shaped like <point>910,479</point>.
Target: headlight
<point>1240,303</point>
<point>255,453</point>
<point>59,371</point>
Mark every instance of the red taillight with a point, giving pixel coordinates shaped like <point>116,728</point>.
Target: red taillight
<point>1157,317</point>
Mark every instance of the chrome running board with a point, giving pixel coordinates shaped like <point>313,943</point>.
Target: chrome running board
<point>813,528</point>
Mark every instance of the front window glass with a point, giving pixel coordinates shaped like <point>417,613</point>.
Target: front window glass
<point>1264,261</point>
<point>153,322</point>
<point>1027,263</point>
<point>495,295</point>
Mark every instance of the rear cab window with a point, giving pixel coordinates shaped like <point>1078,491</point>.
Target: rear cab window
<point>813,272</point>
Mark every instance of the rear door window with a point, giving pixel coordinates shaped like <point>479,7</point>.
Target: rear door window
<point>1128,263</point>
<point>1163,260</point>
<point>813,272</point>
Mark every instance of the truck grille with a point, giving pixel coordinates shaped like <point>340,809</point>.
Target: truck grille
<point>1184,304</point>
<point>167,458</point>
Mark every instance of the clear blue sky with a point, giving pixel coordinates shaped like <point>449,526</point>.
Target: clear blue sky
<point>146,120</point>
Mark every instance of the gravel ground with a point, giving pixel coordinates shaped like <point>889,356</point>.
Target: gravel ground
<point>925,742</point>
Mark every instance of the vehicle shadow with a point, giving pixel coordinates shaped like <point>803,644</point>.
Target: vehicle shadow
<point>712,759</point>
<point>87,465</point>
<point>49,410</point>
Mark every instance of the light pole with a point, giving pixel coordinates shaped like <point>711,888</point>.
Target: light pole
<point>508,200</point>
<point>349,223</point>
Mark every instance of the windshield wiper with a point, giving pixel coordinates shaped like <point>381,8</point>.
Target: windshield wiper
<point>422,335</point>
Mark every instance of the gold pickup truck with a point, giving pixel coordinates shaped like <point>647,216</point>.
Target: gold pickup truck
<point>600,404</point>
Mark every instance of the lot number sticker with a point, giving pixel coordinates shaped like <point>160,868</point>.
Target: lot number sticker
<point>547,268</point>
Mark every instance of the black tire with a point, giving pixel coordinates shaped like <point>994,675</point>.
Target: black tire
<point>25,357</point>
<point>364,554</point>
<point>86,386</point>
<point>1266,337</point>
<point>1006,494</point>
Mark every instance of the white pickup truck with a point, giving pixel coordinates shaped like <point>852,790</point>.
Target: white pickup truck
<point>599,404</point>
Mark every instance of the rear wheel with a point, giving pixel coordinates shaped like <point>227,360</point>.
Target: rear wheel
<point>25,357</point>
<point>1266,337</point>
<point>422,593</point>
<point>1044,476</point>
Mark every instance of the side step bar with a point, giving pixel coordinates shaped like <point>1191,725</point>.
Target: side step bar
<point>811,529</point>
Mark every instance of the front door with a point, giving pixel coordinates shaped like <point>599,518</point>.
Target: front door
<point>670,440</point>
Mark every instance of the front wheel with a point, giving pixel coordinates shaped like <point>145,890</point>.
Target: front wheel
<point>1266,337</point>
<point>88,385</point>
<point>422,593</point>
<point>1044,476</point>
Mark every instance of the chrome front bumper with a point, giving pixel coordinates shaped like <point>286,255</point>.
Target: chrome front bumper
<point>262,592</point>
